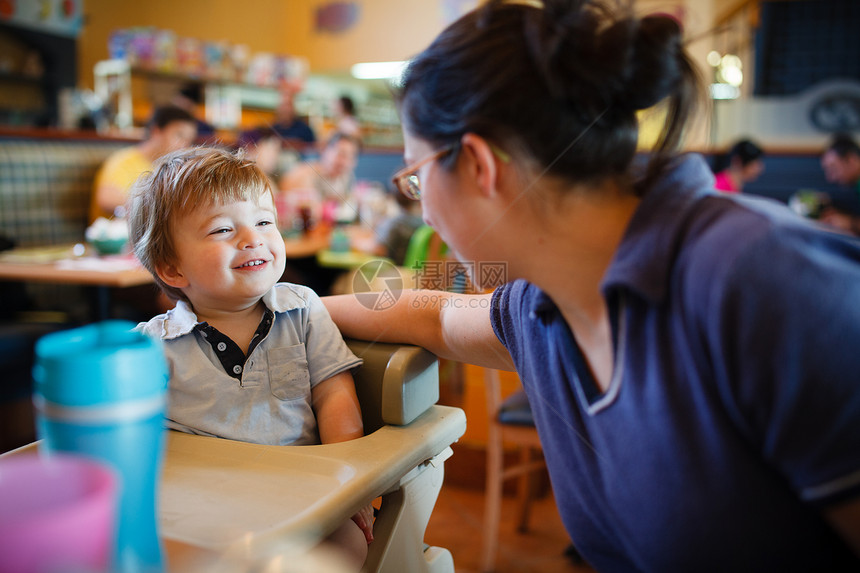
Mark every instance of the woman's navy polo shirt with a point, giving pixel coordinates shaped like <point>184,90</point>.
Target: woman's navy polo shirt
<point>733,413</point>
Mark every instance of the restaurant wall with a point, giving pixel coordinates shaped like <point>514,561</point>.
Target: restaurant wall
<point>384,30</point>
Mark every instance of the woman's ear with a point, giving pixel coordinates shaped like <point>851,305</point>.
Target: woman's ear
<point>171,275</point>
<point>481,162</point>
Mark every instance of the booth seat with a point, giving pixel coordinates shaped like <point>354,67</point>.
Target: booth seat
<point>45,187</point>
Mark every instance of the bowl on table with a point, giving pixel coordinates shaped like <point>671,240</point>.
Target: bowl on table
<point>105,246</point>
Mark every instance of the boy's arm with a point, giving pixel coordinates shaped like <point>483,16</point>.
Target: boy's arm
<point>453,326</point>
<point>337,411</point>
<point>338,420</point>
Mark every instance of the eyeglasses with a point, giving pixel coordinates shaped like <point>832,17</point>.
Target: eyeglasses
<point>406,180</point>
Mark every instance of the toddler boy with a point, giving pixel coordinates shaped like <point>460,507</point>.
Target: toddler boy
<point>250,359</point>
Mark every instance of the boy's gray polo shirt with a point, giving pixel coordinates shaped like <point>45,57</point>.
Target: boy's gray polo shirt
<point>272,402</point>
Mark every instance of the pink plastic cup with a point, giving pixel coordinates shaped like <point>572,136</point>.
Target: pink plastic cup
<point>56,514</point>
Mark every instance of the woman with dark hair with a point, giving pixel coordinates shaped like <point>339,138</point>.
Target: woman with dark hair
<point>694,388</point>
<point>741,165</point>
<point>345,120</point>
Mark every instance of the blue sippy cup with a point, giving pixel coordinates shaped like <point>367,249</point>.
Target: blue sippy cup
<point>100,391</point>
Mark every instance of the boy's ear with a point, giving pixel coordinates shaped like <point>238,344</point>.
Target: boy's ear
<point>481,162</point>
<point>171,275</point>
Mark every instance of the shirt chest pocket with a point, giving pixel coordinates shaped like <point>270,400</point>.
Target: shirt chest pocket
<point>288,372</point>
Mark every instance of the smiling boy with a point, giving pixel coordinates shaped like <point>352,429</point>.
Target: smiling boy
<point>250,359</point>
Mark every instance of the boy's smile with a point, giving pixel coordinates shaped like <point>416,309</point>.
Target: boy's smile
<point>228,256</point>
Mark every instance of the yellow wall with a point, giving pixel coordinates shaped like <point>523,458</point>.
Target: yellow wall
<point>386,29</point>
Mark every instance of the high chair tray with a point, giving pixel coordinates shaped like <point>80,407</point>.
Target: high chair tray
<point>216,493</point>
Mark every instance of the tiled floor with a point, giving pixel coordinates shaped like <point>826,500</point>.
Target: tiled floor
<point>456,524</point>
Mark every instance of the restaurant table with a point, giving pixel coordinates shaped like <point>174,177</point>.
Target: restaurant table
<point>313,262</point>
<point>359,247</point>
<point>361,239</point>
<point>346,260</point>
<point>59,265</point>
<point>298,246</point>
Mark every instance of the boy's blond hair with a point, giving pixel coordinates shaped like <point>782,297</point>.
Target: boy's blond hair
<point>179,183</point>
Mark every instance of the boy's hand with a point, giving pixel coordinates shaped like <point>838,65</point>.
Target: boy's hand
<point>364,520</point>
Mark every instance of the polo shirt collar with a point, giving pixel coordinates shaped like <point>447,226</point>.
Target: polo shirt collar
<point>181,320</point>
<point>644,259</point>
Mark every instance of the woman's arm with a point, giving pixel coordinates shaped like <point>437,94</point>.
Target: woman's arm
<point>453,326</point>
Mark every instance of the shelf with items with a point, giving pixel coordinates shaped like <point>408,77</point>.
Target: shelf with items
<point>231,78</point>
<point>34,67</point>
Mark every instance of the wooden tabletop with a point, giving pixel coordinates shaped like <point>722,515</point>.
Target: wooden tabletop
<point>307,244</point>
<point>318,239</point>
<point>57,263</point>
<point>124,276</point>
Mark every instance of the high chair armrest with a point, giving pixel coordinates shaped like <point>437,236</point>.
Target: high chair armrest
<point>396,383</point>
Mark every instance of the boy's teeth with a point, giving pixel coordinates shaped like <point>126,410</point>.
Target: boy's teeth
<point>253,264</point>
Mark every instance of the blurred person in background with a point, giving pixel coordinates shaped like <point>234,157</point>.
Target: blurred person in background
<point>287,124</point>
<point>344,116</point>
<point>262,146</point>
<point>326,185</point>
<point>841,165</point>
<point>171,128</point>
<point>394,233</point>
<point>190,99</point>
<point>742,164</point>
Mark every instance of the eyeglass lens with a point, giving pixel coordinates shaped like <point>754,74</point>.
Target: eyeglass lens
<point>413,186</point>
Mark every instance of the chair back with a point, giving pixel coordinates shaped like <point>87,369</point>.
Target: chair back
<point>425,245</point>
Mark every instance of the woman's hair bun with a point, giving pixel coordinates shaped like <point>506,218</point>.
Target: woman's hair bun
<point>655,66</point>
<point>630,64</point>
<point>558,80</point>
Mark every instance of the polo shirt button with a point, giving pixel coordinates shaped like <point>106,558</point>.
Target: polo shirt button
<point>237,369</point>
<point>222,346</point>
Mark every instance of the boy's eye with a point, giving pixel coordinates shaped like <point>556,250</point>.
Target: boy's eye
<point>265,222</point>
<point>219,230</point>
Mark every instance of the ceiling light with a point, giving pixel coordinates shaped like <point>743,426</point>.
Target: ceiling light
<point>724,91</point>
<point>378,70</point>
